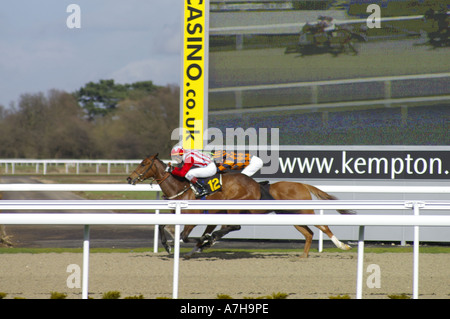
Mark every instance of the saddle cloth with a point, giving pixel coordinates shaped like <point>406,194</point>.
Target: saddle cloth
<point>212,184</point>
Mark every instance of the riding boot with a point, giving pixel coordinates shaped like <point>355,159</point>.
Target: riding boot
<point>201,190</point>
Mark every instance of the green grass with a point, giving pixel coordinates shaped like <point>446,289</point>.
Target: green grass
<point>100,179</point>
<point>111,295</point>
<point>375,250</point>
<point>118,195</point>
<point>339,297</point>
<point>81,179</point>
<point>5,250</point>
<point>402,296</point>
<point>57,295</point>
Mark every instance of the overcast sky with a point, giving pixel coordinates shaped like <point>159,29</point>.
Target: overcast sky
<point>128,41</point>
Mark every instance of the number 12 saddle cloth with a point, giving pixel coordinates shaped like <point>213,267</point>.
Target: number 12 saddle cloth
<point>212,184</point>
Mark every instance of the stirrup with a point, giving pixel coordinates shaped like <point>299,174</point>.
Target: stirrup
<point>200,189</point>
<point>201,192</point>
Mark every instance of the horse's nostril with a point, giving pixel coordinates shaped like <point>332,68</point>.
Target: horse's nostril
<point>129,180</point>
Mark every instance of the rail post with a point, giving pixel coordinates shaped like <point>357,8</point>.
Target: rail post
<point>359,272</point>
<point>85,284</point>
<point>314,94</point>
<point>388,92</point>
<point>320,236</point>
<point>176,253</point>
<point>416,207</point>
<point>156,230</point>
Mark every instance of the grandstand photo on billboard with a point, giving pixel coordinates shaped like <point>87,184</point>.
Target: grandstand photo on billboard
<point>386,85</point>
<point>359,91</point>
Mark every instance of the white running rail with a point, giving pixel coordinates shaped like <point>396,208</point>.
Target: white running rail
<point>155,188</point>
<point>235,219</point>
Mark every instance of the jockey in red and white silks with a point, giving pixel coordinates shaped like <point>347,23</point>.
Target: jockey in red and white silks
<point>195,165</point>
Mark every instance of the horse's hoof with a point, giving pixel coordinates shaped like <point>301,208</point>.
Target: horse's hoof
<point>168,249</point>
<point>346,247</point>
<point>206,239</point>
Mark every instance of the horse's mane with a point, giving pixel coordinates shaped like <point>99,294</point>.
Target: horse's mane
<point>181,179</point>
<point>162,163</point>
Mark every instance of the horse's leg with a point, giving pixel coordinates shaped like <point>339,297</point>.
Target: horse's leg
<point>162,236</point>
<point>185,236</point>
<point>224,231</point>
<point>352,48</point>
<point>204,240</point>
<point>186,231</point>
<point>308,233</point>
<point>208,239</point>
<point>170,231</point>
<point>206,236</point>
<point>333,238</point>
<point>219,234</point>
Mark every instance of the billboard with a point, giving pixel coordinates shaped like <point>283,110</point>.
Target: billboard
<point>350,163</point>
<point>361,73</point>
<point>261,67</point>
<point>194,81</point>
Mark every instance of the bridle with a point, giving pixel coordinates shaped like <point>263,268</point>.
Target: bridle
<point>141,176</point>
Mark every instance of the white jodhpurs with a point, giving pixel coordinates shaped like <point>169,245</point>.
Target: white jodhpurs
<point>255,164</point>
<point>202,172</point>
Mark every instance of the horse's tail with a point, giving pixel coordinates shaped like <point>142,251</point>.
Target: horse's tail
<point>325,196</point>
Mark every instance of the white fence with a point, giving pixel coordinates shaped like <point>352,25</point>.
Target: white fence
<point>169,219</point>
<point>154,187</point>
<point>388,98</point>
<point>360,189</point>
<point>10,164</point>
<point>289,28</point>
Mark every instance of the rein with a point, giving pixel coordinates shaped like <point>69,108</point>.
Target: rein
<point>160,181</point>
<point>142,175</point>
<point>186,188</point>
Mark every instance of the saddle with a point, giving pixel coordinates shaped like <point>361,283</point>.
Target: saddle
<point>213,184</point>
<point>265,195</point>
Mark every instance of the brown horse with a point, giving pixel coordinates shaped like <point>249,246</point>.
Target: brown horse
<point>235,187</point>
<point>285,191</point>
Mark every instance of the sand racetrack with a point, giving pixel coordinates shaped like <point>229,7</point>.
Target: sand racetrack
<point>238,274</point>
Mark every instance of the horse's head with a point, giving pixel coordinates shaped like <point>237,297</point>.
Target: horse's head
<point>145,170</point>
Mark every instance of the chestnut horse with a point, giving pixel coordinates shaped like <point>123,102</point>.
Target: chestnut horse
<point>235,187</point>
